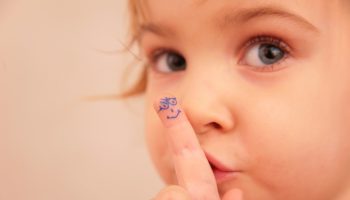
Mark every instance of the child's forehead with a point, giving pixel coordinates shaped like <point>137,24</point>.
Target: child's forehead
<point>197,4</point>
<point>169,13</point>
<point>169,9</point>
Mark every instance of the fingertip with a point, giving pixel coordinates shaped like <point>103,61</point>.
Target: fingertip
<point>168,109</point>
<point>157,102</point>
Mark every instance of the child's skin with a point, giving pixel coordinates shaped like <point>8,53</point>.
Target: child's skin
<point>273,109</point>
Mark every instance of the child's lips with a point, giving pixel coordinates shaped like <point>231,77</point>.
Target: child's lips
<point>222,176</point>
<point>221,172</point>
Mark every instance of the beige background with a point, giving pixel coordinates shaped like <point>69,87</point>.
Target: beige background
<point>54,144</point>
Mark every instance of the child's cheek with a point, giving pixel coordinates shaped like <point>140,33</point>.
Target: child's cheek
<point>160,83</point>
<point>299,142</point>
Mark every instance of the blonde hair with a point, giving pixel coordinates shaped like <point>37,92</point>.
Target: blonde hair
<point>136,16</point>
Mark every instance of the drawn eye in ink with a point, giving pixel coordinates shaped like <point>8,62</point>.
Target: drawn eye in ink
<point>166,103</point>
<point>163,106</point>
<point>172,101</point>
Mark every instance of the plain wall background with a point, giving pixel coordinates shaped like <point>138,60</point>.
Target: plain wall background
<point>54,144</point>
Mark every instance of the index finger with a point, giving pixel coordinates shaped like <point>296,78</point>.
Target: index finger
<point>191,165</point>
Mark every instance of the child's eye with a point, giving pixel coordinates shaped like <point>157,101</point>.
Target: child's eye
<point>169,61</point>
<point>264,53</point>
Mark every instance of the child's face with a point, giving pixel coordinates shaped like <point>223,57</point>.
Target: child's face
<point>265,85</point>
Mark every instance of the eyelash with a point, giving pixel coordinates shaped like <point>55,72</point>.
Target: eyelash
<point>253,40</point>
<point>155,54</point>
<point>262,39</point>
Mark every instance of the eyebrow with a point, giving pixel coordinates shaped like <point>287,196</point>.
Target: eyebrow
<point>246,15</point>
<point>235,17</point>
<point>155,29</point>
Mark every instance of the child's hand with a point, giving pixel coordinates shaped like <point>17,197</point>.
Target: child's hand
<point>194,174</point>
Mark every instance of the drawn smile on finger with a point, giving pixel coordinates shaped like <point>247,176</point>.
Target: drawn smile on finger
<point>174,116</point>
<point>168,103</point>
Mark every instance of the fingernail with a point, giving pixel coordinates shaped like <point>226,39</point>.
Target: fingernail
<point>168,109</point>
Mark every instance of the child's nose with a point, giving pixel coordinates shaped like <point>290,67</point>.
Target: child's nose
<point>206,107</point>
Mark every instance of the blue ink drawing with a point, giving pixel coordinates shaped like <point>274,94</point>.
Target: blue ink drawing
<point>175,116</point>
<point>167,103</point>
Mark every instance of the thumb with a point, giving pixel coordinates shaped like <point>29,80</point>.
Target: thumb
<point>173,192</point>
<point>234,194</point>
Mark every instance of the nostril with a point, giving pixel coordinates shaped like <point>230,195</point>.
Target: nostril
<point>215,125</point>
<point>209,127</point>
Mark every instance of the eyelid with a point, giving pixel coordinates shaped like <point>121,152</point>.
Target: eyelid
<point>261,39</point>
<point>154,57</point>
<point>157,52</point>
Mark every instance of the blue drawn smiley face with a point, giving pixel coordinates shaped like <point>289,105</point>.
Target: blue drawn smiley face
<point>168,103</point>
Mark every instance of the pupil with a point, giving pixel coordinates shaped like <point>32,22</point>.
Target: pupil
<point>176,62</point>
<point>270,54</point>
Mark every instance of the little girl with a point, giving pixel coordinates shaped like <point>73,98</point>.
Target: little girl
<point>247,99</point>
